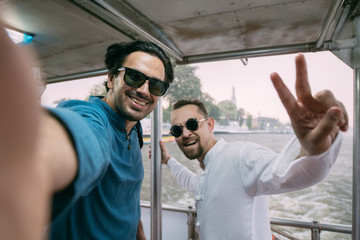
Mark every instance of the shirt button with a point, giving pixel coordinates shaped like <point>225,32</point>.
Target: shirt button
<point>198,197</point>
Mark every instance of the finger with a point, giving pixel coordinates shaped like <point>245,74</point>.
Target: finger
<point>302,86</point>
<point>326,100</point>
<point>284,93</point>
<point>162,146</point>
<point>163,149</point>
<point>322,136</point>
<point>344,121</point>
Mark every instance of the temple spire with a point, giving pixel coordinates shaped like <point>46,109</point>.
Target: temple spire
<point>233,97</point>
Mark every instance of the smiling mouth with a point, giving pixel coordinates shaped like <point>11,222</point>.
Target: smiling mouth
<point>138,102</point>
<point>190,143</point>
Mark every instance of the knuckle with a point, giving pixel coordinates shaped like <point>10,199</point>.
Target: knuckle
<point>325,94</point>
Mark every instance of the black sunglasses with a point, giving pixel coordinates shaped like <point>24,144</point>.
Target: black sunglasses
<point>136,79</point>
<point>191,124</point>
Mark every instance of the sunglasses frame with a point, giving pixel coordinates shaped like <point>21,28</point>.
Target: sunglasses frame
<point>186,125</point>
<point>152,81</point>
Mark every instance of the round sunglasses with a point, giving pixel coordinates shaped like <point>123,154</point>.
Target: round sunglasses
<point>136,79</point>
<point>191,124</point>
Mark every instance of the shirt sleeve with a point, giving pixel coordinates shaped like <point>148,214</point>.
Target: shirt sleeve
<point>185,178</point>
<point>284,172</point>
<point>92,156</point>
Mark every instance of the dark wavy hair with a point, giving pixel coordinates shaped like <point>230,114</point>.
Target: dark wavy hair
<point>196,102</point>
<point>116,55</point>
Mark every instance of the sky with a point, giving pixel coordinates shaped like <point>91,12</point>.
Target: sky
<point>253,88</point>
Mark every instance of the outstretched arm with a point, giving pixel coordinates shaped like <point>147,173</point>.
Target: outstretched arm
<point>316,120</point>
<point>22,196</point>
<point>32,148</point>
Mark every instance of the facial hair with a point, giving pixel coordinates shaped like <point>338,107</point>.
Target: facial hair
<point>194,153</point>
<point>128,113</point>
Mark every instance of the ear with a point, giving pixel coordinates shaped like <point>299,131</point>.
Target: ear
<point>110,81</point>
<point>211,124</point>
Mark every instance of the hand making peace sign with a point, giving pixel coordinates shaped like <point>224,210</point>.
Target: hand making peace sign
<point>316,119</point>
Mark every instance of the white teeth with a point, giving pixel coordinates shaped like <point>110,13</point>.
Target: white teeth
<point>190,143</point>
<point>139,102</point>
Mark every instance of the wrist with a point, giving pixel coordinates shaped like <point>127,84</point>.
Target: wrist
<point>167,159</point>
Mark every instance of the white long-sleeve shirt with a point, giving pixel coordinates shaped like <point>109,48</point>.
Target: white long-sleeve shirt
<point>231,194</point>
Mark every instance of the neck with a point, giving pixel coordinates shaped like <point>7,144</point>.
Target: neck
<point>201,163</point>
<point>201,159</point>
<point>129,125</point>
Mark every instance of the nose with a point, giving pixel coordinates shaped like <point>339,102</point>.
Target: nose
<point>186,132</point>
<point>144,89</point>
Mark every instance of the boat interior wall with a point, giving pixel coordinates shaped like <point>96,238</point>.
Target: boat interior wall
<point>71,36</point>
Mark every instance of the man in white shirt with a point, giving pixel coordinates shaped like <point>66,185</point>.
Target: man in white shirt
<point>231,191</point>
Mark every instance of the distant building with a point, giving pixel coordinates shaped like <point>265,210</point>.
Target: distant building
<point>233,96</point>
<point>271,125</point>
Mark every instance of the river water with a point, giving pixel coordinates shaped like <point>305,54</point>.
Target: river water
<point>327,202</point>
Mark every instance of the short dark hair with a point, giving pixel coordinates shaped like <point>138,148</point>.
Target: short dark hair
<point>116,55</point>
<point>196,102</point>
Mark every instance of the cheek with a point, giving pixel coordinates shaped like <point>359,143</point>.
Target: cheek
<point>111,82</point>
<point>120,88</point>
<point>154,101</point>
<point>178,141</point>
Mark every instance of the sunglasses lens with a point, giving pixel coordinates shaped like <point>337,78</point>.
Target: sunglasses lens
<point>157,87</point>
<point>176,131</point>
<point>134,78</point>
<point>192,124</point>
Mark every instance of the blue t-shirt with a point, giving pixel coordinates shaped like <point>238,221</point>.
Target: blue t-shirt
<point>103,202</point>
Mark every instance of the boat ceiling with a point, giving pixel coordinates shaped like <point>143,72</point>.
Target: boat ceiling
<point>71,37</point>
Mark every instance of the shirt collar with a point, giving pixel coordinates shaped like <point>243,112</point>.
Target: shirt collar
<point>213,151</point>
<point>114,118</point>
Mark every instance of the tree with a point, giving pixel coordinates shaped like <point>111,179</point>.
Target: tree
<point>228,110</point>
<point>166,114</point>
<point>241,114</point>
<point>98,90</point>
<point>249,121</point>
<point>213,110</point>
<point>185,85</point>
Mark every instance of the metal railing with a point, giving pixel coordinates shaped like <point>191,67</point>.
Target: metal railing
<point>315,227</point>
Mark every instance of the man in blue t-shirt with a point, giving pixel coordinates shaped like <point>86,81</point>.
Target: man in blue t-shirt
<point>81,159</point>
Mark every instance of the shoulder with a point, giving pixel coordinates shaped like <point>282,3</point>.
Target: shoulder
<point>238,146</point>
<point>244,152</point>
<point>84,108</point>
<point>74,104</point>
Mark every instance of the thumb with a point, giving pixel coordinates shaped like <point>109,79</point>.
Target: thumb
<point>325,132</point>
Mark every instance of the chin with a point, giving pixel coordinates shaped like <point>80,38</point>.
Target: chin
<point>191,156</point>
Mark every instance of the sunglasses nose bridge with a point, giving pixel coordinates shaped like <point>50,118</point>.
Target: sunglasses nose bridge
<point>185,131</point>
<point>145,87</point>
